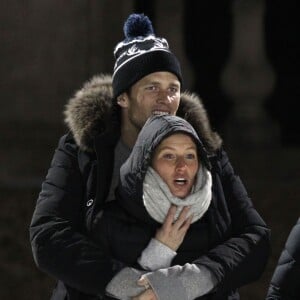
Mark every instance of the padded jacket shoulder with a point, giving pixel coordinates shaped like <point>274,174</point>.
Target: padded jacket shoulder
<point>285,282</point>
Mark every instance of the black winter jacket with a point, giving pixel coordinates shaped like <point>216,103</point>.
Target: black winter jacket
<point>231,240</point>
<point>77,185</point>
<point>285,282</point>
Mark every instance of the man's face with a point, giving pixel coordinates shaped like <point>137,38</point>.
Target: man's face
<point>156,93</point>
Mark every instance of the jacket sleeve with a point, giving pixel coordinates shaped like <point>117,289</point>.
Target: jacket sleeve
<point>242,257</point>
<point>156,255</point>
<point>59,245</point>
<point>285,280</point>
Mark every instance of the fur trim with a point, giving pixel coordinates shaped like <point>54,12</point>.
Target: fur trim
<point>89,111</point>
<point>191,109</point>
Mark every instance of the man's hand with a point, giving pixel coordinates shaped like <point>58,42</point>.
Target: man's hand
<point>148,294</point>
<point>173,232</point>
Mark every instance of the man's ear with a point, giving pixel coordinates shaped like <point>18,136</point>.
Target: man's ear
<point>123,100</point>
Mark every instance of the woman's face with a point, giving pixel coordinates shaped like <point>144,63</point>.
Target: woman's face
<point>176,161</point>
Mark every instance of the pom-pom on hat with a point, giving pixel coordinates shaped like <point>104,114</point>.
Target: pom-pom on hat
<point>140,54</point>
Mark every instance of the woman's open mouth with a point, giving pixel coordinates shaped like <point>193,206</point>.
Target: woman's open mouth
<point>181,181</point>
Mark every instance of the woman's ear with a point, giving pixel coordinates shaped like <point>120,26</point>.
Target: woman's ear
<point>123,100</point>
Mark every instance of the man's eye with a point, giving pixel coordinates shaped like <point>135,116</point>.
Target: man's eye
<point>173,90</point>
<point>151,88</point>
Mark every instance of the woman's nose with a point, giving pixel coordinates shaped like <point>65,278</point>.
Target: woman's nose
<point>180,164</point>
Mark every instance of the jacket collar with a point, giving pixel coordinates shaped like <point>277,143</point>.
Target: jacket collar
<point>89,113</point>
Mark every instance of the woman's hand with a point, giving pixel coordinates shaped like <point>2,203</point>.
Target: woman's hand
<point>172,233</point>
<point>148,294</point>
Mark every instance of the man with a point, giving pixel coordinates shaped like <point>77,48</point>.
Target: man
<point>104,119</point>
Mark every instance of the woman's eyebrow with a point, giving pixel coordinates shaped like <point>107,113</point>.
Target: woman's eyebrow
<point>173,148</point>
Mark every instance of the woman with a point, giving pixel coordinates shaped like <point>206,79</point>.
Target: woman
<point>206,250</point>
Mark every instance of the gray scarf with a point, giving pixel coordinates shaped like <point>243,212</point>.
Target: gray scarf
<point>158,198</point>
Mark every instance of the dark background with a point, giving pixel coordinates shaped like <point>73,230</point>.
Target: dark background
<point>241,57</point>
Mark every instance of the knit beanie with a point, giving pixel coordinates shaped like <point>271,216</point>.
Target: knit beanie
<point>140,54</point>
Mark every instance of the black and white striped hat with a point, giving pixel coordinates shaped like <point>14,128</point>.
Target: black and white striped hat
<point>140,54</point>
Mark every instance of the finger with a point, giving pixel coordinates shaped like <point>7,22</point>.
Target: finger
<point>170,216</point>
<point>149,295</point>
<point>182,217</point>
<point>143,282</point>
<point>186,225</point>
<point>146,295</point>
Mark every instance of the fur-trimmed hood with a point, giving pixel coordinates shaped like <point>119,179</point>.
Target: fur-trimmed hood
<point>89,112</point>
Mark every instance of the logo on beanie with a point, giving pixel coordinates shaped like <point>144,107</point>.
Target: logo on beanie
<point>139,47</point>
